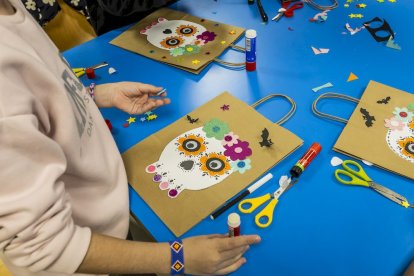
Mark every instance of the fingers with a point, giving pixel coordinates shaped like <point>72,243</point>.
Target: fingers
<point>236,242</point>
<point>149,105</point>
<point>150,89</point>
<point>230,254</point>
<point>232,267</point>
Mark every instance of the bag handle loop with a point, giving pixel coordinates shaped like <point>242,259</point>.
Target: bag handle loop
<point>331,95</point>
<point>287,115</point>
<point>235,65</point>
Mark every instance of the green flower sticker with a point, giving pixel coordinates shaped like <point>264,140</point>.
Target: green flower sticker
<point>191,49</point>
<point>216,128</point>
<point>177,51</point>
<point>411,107</point>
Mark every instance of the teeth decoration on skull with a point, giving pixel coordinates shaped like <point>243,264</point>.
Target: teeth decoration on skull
<point>179,37</point>
<point>400,135</point>
<point>200,158</point>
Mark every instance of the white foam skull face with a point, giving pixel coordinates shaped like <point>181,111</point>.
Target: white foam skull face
<point>199,159</point>
<point>170,34</point>
<point>400,135</point>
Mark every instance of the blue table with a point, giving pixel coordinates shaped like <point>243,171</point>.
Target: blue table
<point>320,227</point>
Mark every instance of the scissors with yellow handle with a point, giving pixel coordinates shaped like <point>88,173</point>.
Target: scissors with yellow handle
<point>356,175</point>
<point>265,217</point>
<point>80,71</point>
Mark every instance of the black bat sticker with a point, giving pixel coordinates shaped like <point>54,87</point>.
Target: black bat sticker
<point>191,120</point>
<point>384,101</point>
<point>369,120</point>
<point>266,142</point>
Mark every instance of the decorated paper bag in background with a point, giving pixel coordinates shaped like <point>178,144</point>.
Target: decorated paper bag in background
<point>380,130</point>
<point>179,39</point>
<point>187,170</point>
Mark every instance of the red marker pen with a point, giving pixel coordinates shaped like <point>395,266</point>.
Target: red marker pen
<point>233,222</point>
<point>301,165</point>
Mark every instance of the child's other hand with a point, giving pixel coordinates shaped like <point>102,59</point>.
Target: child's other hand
<point>131,97</point>
<point>216,254</point>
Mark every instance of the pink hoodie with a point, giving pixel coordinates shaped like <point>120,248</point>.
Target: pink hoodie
<point>61,174</point>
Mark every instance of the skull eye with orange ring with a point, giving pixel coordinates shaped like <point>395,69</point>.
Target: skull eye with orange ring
<point>191,145</point>
<point>407,146</point>
<point>186,30</point>
<point>171,42</point>
<point>214,164</point>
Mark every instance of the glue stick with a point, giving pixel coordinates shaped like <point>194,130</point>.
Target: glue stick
<point>251,50</point>
<point>233,222</point>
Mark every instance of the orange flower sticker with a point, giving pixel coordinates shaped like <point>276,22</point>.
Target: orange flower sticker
<point>407,146</point>
<point>214,164</point>
<point>191,145</point>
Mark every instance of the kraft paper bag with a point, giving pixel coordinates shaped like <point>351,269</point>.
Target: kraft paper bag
<point>381,128</point>
<point>187,170</point>
<point>181,40</point>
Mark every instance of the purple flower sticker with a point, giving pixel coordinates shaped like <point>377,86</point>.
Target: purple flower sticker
<point>207,36</point>
<point>238,151</point>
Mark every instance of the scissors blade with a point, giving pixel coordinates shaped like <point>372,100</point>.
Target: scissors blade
<point>397,198</point>
<point>284,186</point>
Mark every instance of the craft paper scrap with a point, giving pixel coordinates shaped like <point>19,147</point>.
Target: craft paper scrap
<point>353,31</point>
<point>336,161</point>
<point>352,77</point>
<point>391,44</point>
<point>326,85</point>
<point>367,163</point>
<point>320,17</point>
<point>111,70</point>
<point>319,51</point>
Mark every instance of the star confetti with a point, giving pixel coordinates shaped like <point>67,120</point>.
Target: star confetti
<point>143,119</point>
<point>361,6</point>
<point>349,1</point>
<point>195,61</point>
<point>392,1</point>
<point>346,5</point>
<point>148,113</point>
<point>152,117</point>
<point>125,125</point>
<point>225,107</point>
<point>223,42</point>
<point>232,32</point>
<point>355,15</point>
<point>131,120</point>
<point>380,1</point>
<point>405,204</point>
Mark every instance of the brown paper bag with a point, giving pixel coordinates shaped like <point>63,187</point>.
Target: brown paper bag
<point>181,40</point>
<point>380,130</point>
<point>187,170</point>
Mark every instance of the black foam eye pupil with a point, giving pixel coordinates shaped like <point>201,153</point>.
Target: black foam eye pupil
<point>172,41</point>
<point>191,145</point>
<point>215,164</point>
<point>186,30</point>
<point>410,147</point>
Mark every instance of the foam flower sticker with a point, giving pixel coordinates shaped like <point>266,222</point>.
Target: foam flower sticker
<point>238,151</point>
<point>407,146</point>
<point>191,145</point>
<point>191,49</point>
<point>230,139</point>
<point>241,166</point>
<point>216,128</point>
<point>207,36</point>
<point>177,51</point>
<point>411,125</point>
<point>403,114</point>
<point>394,124</point>
<point>411,107</point>
<point>214,164</point>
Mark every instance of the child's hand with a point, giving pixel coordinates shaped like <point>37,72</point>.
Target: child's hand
<point>216,254</point>
<point>131,97</point>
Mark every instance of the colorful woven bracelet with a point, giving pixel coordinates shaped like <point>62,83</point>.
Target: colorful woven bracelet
<point>92,90</point>
<point>177,257</point>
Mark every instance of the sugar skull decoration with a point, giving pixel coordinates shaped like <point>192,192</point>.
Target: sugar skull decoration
<point>200,158</point>
<point>400,135</point>
<point>179,37</point>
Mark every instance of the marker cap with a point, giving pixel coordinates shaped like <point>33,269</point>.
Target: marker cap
<point>251,33</point>
<point>233,220</point>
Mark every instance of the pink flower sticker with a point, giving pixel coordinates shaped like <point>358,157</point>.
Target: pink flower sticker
<point>394,124</point>
<point>230,139</point>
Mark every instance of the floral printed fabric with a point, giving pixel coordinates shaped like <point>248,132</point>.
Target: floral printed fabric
<point>45,10</point>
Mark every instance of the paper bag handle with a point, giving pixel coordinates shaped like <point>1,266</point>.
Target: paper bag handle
<point>235,65</point>
<point>331,95</point>
<point>288,115</point>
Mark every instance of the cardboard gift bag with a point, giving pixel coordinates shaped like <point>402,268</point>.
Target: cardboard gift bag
<point>181,40</point>
<point>187,170</point>
<point>381,128</point>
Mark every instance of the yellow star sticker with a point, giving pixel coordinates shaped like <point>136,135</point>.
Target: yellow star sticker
<point>131,120</point>
<point>361,6</point>
<point>405,204</point>
<point>346,5</point>
<point>349,1</point>
<point>351,15</point>
<point>359,15</point>
<point>380,1</point>
<point>232,32</point>
<point>223,42</point>
<point>392,1</point>
<point>196,61</point>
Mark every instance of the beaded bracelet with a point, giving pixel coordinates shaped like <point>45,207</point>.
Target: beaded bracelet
<point>177,257</point>
<point>92,90</point>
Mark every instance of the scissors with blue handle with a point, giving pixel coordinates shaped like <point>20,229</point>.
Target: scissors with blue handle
<point>247,206</point>
<point>356,175</point>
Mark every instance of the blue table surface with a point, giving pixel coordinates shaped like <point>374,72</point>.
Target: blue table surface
<point>320,227</point>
